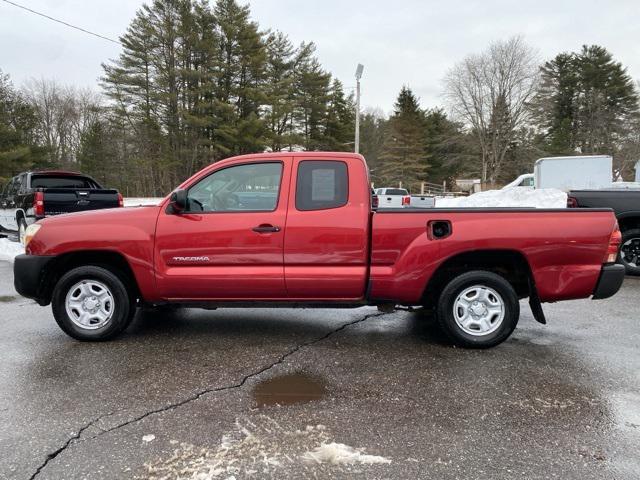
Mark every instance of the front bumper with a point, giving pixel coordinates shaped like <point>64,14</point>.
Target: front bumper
<point>29,277</point>
<point>610,281</point>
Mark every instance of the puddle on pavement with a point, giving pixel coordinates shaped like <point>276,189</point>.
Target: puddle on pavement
<point>288,389</point>
<point>7,298</point>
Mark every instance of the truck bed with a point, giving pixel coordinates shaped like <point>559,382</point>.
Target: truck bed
<point>564,248</point>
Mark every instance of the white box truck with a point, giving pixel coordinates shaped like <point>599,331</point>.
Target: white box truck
<point>574,173</point>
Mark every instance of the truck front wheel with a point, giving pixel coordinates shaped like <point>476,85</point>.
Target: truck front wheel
<point>630,251</point>
<point>478,309</point>
<point>92,304</point>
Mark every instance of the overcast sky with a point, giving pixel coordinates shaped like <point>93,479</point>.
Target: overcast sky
<point>410,42</point>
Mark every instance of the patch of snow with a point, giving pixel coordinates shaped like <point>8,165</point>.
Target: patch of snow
<point>339,453</point>
<point>259,447</point>
<point>141,201</point>
<point>9,250</point>
<point>512,197</point>
<point>148,438</point>
<point>631,185</point>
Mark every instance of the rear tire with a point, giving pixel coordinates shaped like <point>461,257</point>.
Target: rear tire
<point>478,309</point>
<point>629,255</point>
<point>91,303</point>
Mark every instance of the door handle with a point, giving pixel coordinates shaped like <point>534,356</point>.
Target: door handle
<point>266,228</point>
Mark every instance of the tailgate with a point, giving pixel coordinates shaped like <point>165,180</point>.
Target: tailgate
<point>389,201</point>
<point>64,200</point>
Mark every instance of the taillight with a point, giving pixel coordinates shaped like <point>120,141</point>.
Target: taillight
<point>375,201</point>
<point>406,200</point>
<point>120,200</point>
<point>38,204</point>
<point>614,245</point>
<point>572,202</point>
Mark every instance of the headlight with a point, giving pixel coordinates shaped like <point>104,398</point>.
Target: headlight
<point>30,233</point>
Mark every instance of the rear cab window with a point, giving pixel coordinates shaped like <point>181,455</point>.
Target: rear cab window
<point>396,191</point>
<point>61,181</point>
<point>321,185</point>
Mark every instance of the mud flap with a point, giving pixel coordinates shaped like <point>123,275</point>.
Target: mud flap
<point>536,305</point>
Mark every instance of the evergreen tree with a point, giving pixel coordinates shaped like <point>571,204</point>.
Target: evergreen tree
<point>372,127</point>
<point>586,103</point>
<point>404,156</point>
<point>446,146</point>
<point>339,128</point>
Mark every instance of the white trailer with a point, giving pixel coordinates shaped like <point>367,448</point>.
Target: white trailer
<point>574,173</point>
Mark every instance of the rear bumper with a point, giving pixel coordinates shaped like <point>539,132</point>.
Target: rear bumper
<point>28,277</point>
<point>610,281</point>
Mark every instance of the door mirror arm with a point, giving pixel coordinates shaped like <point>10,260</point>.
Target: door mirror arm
<point>178,201</point>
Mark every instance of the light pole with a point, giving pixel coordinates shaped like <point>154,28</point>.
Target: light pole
<point>359,70</point>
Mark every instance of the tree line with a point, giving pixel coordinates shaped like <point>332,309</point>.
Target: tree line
<point>196,83</point>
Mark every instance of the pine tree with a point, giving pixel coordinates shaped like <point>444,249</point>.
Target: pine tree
<point>404,157</point>
<point>339,127</point>
<point>446,146</point>
<point>586,102</point>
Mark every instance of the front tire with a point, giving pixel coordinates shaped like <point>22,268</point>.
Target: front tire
<point>478,309</point>
<point>629,255</point>
<point>92,304</point>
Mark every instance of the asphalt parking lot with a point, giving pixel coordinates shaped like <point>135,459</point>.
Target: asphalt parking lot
<point>254,393</point>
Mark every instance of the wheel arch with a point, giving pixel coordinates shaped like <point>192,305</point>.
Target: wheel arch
<point>115,262</point>
<point>629,220</point>
<point>510,264</point>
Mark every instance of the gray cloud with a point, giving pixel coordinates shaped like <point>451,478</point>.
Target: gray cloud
<point>404,42</point>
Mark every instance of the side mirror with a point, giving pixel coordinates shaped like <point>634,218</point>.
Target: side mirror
<point>178,201</point>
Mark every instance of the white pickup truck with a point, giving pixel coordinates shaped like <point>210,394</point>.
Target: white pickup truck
<point>393,197</point>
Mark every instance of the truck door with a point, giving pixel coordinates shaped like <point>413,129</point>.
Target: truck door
<point>326,242</point>
<point>228,244</point>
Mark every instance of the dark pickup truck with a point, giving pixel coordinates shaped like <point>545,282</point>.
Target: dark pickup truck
<point>626,205</point>
<point>30,196</point>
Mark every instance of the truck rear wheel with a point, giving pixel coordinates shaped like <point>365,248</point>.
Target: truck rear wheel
<point>478,309</point>
<point>629,255</point>
<point>92,304</point>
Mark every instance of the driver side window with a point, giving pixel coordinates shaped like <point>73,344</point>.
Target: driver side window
<point>252,187</point>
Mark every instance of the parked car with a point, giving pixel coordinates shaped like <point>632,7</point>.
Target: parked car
<point>31,196</point>
<point>311,239</point>
<point>626,205</point>
<point>393,197</point>
<point>526,180</point>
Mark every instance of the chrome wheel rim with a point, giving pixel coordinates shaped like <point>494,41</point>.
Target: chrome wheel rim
<point>90,304</point>
<point>479,310</point>
<point>630,252</point>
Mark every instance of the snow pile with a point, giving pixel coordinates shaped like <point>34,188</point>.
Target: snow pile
<point>512,197</point>
<point>9,250</point>
<point>339,453</point>
<point>261,448</point>
<point>627,185</point>
<point>141,201</point>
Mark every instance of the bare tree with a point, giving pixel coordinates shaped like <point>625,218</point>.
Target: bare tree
<point>65,113</point>
<point>489,92</point>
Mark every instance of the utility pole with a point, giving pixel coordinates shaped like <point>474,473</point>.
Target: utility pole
<point>359,70</point>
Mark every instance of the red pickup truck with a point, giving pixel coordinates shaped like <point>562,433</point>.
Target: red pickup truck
<point>298,229</point>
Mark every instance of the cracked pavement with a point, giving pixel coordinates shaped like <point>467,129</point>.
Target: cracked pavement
<point>555,401</point>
